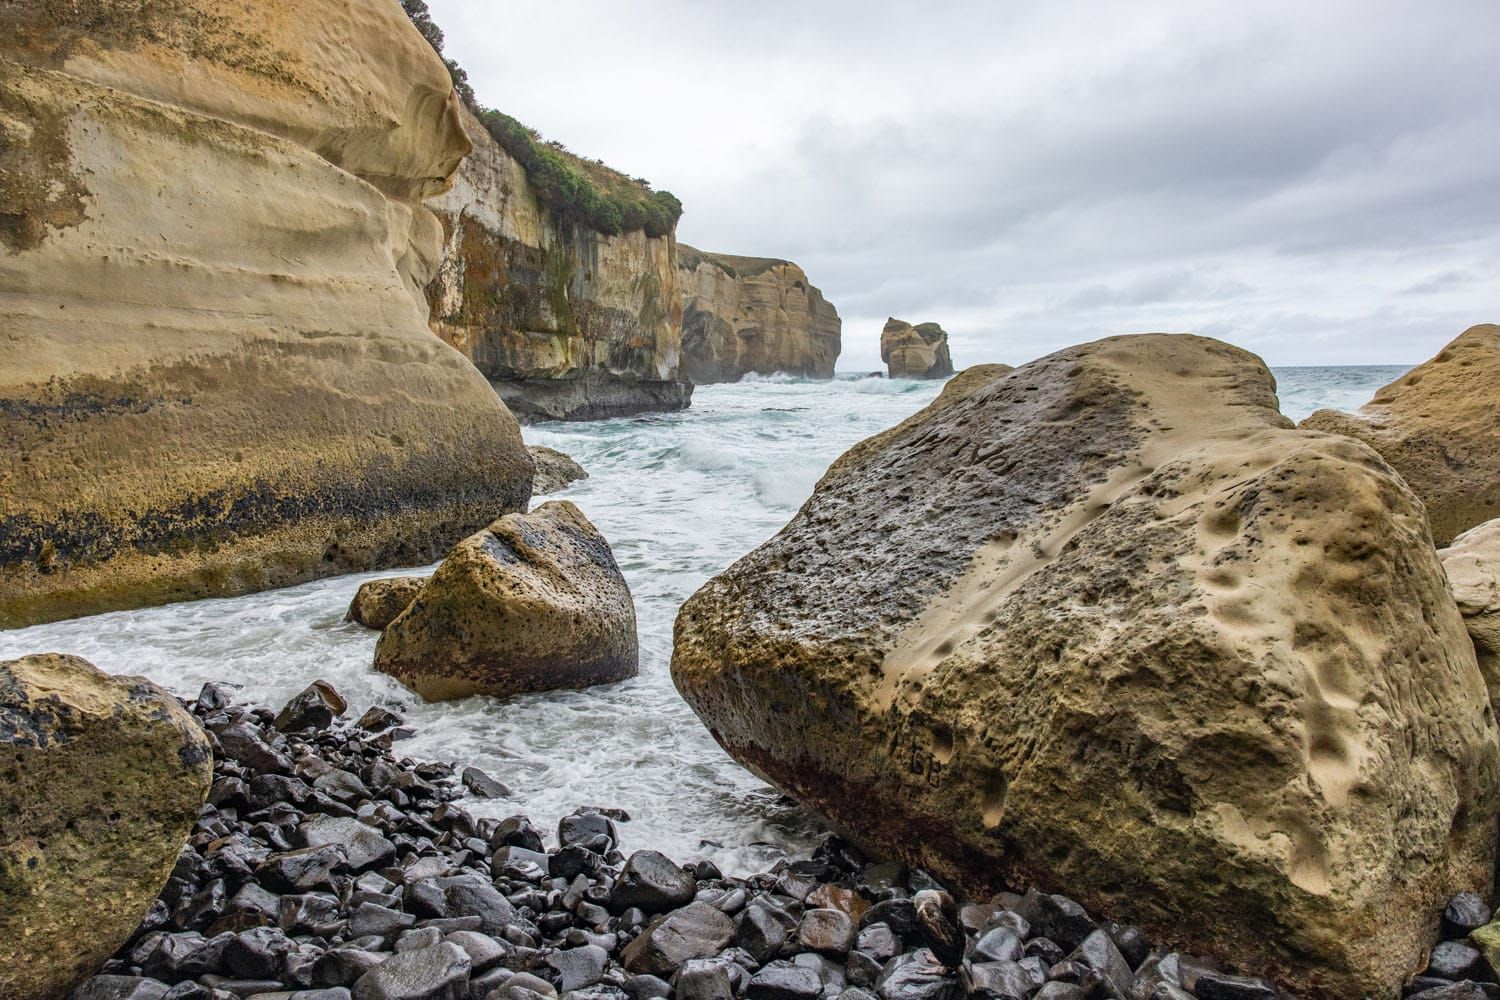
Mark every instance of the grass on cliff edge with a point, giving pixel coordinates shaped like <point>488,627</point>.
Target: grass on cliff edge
<point>577,190</point>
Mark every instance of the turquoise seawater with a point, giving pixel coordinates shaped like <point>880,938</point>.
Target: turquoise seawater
<point>680,496</point>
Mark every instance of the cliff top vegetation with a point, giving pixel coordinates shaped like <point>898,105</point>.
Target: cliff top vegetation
<point>577,190</point>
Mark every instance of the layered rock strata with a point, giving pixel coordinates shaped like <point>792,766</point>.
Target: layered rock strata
<point>1439,427</point>
<point>566,323</point>
<point>1111,622</point>
<point>216,373</point>
<point>744,315</point>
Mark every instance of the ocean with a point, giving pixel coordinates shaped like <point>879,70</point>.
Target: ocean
<point>679,496</point>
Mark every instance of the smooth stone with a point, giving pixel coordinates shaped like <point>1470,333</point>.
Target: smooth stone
<point>119,988</point>
<point>481,785</point>
<point>652,883</point>
<point>910,977</point>
<point>364,845</point>
<point>1466,990</point>
<point>1451,960</point>
<point>879,942</point>
<point>1004,979</point>
<point>829,932</point>
<point>484,951</point>
<point>578,968</point>
<point>702,979</point>
<point>1465,914</point>
<point>314,708</point>
<point>764,929</point>
<point>782,980</point>
<point>695,931</point>
<point>1222,986</point>
<point>999,945</point>
<point>440,972</point>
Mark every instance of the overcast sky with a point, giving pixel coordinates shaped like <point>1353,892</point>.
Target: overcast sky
<point>1317,181</point>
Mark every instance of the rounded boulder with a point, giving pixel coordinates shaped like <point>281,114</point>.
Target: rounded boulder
<point>534,602</point>
<point>101,782</point>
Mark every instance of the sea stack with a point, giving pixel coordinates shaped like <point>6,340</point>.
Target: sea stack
<point>216,374</point>
<point>919,351</point>
<point>1110,625</point>
<point>753,315</point>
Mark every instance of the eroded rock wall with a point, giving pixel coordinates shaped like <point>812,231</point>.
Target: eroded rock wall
<point>215,370</point>
<point>744,315</point>
<point>566,322</point>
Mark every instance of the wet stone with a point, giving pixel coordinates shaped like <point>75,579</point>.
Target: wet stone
<point>1222,986</point>
<point>1464,914</point>
<point>1057,918</point>
<point>440,972</point>
<point>482,786</point>
<point>1099,954</point>
<point>364,845</point>
<point>119,988</point>
<point>999,945</point>
<point>763,930</point>
<point>315,708</point>
<point>784,981</point>
<point>578,968</point>
<point>652,883</point>
<point>588,829</point>
<point>829,932</point>
<point>695,931</point>
<point>1452,960</point>
<point>915,976</point>
<point>702,979</point>
<point>1002,979</point>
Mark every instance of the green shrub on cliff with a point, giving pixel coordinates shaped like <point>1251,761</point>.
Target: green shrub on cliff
<point>578,191</point>
<point>583,191</point>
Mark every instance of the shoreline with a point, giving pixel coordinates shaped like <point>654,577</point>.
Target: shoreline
<point>327,866</point>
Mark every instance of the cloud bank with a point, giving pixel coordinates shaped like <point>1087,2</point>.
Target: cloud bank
<point>1319,183</point>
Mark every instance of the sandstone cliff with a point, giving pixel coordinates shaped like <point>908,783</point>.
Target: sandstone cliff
<point>752,314</point>
<point>919,351</point>
<point>566,322</point>
<point>215,370</point>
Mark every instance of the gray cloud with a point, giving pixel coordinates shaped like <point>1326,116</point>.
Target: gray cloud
<point>1312,181</point>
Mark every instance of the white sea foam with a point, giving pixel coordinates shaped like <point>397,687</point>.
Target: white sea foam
<point>680,496</point>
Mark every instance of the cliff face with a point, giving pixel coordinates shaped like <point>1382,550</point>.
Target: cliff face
<point>753,314</point>
<point>919,351</point>
<point>215,369</point>
<point>567,323</point>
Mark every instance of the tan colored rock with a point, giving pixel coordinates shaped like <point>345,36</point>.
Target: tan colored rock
<point>1109,625</point>
<point>1472,563</point>
<point>377,602</point>
<point>534,602</point>
<point>1439,427</point>
<point>919,351</point>
<point>743,315</point>
<point>216,373</point>
<point>566,322</point>
<point>554,470</point>
<point>103,779</point>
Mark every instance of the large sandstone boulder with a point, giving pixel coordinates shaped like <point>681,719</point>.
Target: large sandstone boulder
<point>1109,625</point>
<point>377,602</point>
<point>1439,427</point>
<point>1472,563</point>
<point>919,351</point>
<point>534,602</point>
<point>752,314</point>
<point>216,373</point>
<point>102,779</point>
